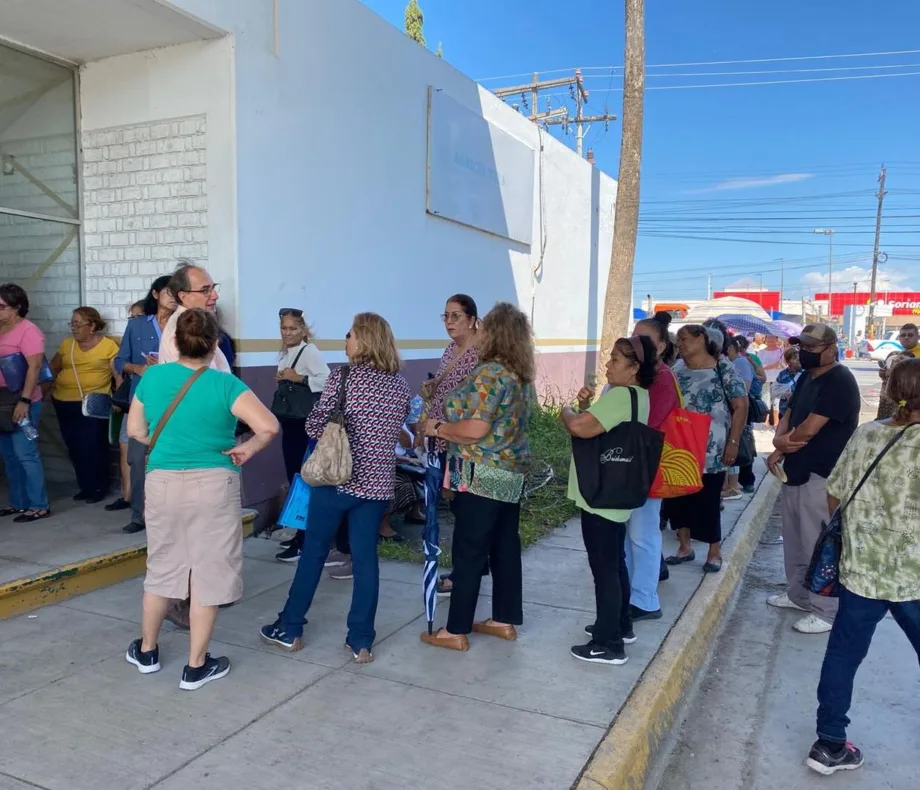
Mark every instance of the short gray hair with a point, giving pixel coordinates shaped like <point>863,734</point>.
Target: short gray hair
<point>180,280</point>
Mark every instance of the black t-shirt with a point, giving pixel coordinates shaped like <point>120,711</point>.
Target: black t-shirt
<point>834,395</point>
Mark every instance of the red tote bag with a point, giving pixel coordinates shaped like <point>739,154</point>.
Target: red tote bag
<point>686,434</point>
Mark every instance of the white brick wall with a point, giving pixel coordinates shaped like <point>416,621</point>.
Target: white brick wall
<point>145,206</point>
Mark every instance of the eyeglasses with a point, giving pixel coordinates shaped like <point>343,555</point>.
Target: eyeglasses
<point>5,306</point>
<point>74,325</point>
<point>447,317</point>
<point>290,311</point>
<point>206,290</point>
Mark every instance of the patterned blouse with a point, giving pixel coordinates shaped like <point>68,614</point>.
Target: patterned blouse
<point>707,391</point>
<point>376,406</point>
<point>455,377</point>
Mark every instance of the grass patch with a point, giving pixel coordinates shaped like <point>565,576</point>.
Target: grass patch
<point>542,510</point>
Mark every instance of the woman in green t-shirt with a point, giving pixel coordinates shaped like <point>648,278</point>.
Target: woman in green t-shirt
<point>633,363</point>
<point>192,491</point>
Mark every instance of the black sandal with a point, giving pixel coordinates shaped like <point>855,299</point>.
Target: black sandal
<point>8,511</point>
<point>712,567</point>
<point>35,515</point>
<point>677,559</point>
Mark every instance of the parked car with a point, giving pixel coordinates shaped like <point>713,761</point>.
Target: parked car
<point>879,348</point>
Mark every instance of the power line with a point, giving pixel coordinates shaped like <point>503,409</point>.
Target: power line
<point>717,63</point>
<point>770,71</point>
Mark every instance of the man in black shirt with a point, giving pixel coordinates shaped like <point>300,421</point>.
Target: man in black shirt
<point>821,418</point>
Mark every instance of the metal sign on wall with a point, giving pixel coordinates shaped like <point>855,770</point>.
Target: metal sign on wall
<point>478,175</point>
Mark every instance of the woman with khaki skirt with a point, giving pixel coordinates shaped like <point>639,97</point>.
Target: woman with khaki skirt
<point>186,414</point>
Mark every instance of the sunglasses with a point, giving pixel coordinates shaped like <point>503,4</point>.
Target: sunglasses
<point>348,335</point>
<point>290,311</point>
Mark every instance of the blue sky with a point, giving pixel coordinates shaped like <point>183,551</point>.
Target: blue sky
<point>813,150</point>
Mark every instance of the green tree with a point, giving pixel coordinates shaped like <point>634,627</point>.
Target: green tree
<point>415,22</point>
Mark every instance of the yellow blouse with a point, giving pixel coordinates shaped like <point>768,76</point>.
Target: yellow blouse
<point>93,367</point>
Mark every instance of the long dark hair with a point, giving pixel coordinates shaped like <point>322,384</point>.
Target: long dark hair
<point>151,305</point>
<point>659,323</point>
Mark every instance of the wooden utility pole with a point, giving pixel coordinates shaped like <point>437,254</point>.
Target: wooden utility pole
<point>875,252</point>
<point>618,301</point>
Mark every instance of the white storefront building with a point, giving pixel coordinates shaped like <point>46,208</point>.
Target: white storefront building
<point>308,154</point>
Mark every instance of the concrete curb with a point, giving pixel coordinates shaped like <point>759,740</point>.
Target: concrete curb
<point>59,584</point>
<point>625,757</point>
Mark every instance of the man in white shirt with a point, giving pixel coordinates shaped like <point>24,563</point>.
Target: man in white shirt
<point>192,286</point>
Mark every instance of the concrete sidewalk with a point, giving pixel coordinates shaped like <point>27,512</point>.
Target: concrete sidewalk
<point>505,714</point>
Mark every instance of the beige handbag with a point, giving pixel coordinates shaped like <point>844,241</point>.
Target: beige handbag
<point>330,463</point>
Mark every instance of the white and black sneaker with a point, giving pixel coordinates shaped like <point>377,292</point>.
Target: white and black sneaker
<point>211,669</point>
<point>599,654</point>
<point>826,761</point>
<point>629,638</point>
<point>290,554</point>
<point>145,662</point>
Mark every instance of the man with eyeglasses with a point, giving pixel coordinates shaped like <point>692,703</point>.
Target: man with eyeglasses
<point>907,337</point>
<point>192,286</point>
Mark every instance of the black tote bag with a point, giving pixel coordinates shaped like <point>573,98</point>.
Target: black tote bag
<point>293,400</point>
<point>616,469</point>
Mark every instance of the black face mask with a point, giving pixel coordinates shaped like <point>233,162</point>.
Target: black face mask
<point>809,359</point>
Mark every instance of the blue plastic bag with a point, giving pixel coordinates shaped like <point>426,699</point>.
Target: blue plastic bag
<point>294,512</point>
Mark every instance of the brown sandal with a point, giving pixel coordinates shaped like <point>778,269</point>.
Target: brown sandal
<point>501,631</point>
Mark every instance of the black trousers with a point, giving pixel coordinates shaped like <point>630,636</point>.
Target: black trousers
<point>485,531</point>
<point>293,448</point>
<point>605,542</point>
<point>87,441</point>
<point>746,475</point>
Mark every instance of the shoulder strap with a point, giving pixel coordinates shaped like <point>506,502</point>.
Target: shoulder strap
<point>73,366</point>
<point>297,358</point>
<point>340,405</point>
<point>872,466</point>
<point>172,407</point>
<point>448,368</point>
<point>673,375</point>
<point>633,404</point>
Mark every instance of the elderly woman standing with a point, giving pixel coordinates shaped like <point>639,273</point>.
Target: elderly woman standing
<point>302,372</point>
<point>186,414</point>
<point>83,365</point>
<point>20,407</point>
<point>879,564</point>
<point>485,423</point>
<point>376,406</point>
<point>633,364</point>
<point>461,319</point>
<point>710,385</point>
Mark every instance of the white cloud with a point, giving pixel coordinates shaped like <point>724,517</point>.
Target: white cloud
<point>890,279</point>
<point>751,183</point>
<point>742,284</point>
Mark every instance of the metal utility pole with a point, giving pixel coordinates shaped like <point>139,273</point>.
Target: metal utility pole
<point>829,232</point>
<point>560,116</point>
<point>626,219</point>
<point>875,251</point>
<point>709,287</point>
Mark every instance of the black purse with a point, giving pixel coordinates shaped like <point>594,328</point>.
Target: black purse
<point>294,401</point>
<point>616,469</point>
<point>8,401</point>
<point>121,397</point>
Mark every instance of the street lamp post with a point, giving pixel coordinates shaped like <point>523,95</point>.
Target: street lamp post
<point>829,232</point>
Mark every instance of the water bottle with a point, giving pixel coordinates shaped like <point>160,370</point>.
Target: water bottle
<point>28,429</point>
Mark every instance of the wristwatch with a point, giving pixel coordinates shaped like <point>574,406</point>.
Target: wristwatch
<point>26,401</point>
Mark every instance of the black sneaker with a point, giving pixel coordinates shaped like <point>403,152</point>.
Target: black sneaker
<point>629,638</point>
<point>275,635</point>
<point>290,554</point>
<point>826,761</point>
<point>286,544</point>
<point>211,669</point>
<point>598,654</point>
<point>636,614</point>
<point>119,504</point>
<point>145,662</point>
<point>132,528</point>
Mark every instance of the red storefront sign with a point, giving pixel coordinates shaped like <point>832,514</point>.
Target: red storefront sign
<point>768,300</point>
<point>900,302</point>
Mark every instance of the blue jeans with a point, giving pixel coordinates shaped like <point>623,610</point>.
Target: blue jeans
<point>643,555</point>
<point>327,507</point>
<point>848,645</point>
<point>24,468</point>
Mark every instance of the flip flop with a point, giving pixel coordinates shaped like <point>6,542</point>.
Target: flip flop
<point>676,559</point>
<point>9,511</point>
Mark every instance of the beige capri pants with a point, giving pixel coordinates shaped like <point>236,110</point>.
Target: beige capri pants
<point>194,537</point>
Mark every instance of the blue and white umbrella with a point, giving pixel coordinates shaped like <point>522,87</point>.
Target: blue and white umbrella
<point>751,325</point>
<point>434,479</point>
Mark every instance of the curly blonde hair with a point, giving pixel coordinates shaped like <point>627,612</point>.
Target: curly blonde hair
<point>507,338</point>
<point>376,345</point>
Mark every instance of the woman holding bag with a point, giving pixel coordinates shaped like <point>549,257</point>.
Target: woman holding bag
<point>362,409</point>
<point>301,376</point>
<point>643,532</point>
<point>82,368</point>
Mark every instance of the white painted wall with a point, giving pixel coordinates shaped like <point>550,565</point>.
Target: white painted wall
<point>331,139</point>
<point>159,171</point>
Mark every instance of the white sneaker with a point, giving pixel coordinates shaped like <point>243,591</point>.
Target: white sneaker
<point>782,601</point>
<point>812,625</point>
